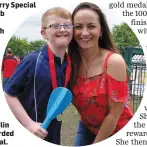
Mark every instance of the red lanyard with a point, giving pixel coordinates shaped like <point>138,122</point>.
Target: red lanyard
<point>53,70</point>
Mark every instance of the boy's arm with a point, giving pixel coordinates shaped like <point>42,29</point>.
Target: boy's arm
<point>23,117</point>
<point>15,87</point>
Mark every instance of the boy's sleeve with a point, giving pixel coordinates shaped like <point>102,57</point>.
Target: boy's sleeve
<point>20,77</point>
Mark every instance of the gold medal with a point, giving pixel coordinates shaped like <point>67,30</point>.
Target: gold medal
<point>60,117</point>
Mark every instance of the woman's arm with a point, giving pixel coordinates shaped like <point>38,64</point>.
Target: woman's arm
<point>23,117</point>
<point>110,122</point>
<point>116,68</point>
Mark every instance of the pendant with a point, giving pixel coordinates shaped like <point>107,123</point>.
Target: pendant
<point>86,72</point>
<point>60,117</point>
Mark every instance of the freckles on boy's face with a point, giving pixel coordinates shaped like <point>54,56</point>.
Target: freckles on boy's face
<point>58,36</point>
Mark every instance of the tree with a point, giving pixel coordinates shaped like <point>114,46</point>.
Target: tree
<point>124,36</point>
<point>22,47</point>
<point>35,45</point>
<point>19,46</point>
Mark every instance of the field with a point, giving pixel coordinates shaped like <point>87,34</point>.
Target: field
<point>69,126</point>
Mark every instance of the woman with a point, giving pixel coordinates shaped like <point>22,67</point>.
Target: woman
<point>99,77</point>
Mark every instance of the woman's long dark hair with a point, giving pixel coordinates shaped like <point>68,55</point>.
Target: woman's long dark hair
<point>104,42</point>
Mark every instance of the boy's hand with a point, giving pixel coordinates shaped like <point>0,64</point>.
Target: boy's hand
<point>37,130</point>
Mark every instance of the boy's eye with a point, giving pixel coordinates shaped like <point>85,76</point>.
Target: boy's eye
<point>68,26</point>
<point>55,25</point>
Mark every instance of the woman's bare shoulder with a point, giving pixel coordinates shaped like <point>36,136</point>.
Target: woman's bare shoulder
<point>116,67</point>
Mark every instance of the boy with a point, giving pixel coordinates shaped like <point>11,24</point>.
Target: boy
<point>29,88</point>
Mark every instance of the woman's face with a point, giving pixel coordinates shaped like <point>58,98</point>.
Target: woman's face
<point>87,29</point>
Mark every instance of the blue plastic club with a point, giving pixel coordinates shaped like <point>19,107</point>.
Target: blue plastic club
<point>59,100</point>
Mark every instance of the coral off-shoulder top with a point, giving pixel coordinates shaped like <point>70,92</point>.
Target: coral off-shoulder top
<point>91,99</point>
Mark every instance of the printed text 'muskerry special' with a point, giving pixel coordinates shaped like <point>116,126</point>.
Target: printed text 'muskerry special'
<point>18,5</point>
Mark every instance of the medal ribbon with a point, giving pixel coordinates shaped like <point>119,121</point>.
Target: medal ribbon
<point>53,69</point>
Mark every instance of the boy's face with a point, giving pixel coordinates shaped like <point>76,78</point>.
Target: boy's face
<point>58,36</point>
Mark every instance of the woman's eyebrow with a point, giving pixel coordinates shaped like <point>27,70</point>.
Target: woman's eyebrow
<point>92,23</point>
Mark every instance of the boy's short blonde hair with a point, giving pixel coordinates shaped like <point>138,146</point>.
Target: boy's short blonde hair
<point>61,12</point>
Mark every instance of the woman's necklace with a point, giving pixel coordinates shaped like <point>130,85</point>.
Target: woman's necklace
<point>87,66</point>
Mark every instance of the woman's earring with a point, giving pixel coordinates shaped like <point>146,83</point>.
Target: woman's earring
<point>100,37</point>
